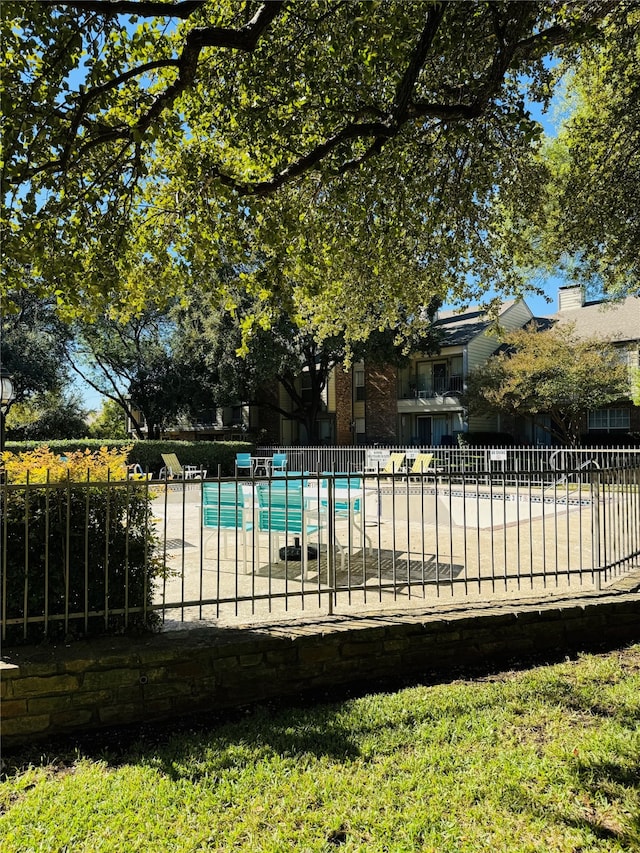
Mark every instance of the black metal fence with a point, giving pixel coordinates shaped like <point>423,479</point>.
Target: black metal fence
<point>92,557</point>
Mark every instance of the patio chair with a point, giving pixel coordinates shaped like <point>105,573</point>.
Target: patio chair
<point>282,511</point>
<point>244,463</point>
<point>279,462</point>
<point>423,464</point>
<point>136,472</point>
<point>173,469</point>
<point>224,509</point>
<point>393,465</point>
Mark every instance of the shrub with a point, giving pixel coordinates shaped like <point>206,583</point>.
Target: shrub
<point>148,454</point>
<point>610,439</point>
<point>80,545</point>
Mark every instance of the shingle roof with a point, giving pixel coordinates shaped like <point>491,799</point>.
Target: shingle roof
<point>460,328</point>
<point>617,321</point>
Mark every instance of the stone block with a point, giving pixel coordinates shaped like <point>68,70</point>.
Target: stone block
<point>45,686</point>
<point>223,665</point>
<point>282,656</point>
<point>316,653</point>
<point>167,689</point>
<point>158,707</point>
<point>50,704</point>
<point>12,708</point>
<point>116,714</point>
<point>197,668</point>
<point>365,649</point>
<point>110,679</point>
<point>78,718</point>
<point>30,725</point>
<point>251,660</point>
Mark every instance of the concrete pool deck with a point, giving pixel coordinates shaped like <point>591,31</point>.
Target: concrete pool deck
<point>422,548</point>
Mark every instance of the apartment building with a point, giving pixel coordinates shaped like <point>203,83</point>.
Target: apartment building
<point>421,403</point>
<point>616,322</point>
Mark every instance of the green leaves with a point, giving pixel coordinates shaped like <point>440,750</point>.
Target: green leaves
<point>589,227</point>
<point>550,373</point>
<point>358,157</point>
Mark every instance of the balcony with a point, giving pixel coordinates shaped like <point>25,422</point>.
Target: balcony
<point>441,395</point>
<point>439,386</point>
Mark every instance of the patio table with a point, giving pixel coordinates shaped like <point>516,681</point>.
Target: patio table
<point>261,464</point>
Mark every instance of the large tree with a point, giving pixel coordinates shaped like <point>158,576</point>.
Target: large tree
<point>376,154</point>
<point>135,365</point>
<point>280,353</point>
<point>589,229</point>
<point>32,351</point>
<point>551,377</point>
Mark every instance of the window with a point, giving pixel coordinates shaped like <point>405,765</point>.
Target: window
<point>456,379</point>
<point>307,387</point>
<point>609,419</point>
<point>358,381</point>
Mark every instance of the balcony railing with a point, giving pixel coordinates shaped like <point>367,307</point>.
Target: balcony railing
<point>440,386</point>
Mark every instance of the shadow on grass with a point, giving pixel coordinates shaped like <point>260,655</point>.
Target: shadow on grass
<point>600,783</point>
<point>313,724</point>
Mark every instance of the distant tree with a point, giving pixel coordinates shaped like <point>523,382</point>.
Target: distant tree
<point>549,373</point>
<point>110,422</point>
<point>33,343</point>
<point>32,347</point>
<point>279,354</point>
<point>47,417</point>
<point>133,364</point>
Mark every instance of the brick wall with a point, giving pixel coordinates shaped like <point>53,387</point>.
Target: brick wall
<point>91,684</point>
<point>381,389</point>
<point>344,407</point>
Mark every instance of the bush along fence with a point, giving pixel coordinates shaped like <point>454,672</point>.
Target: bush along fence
<point>78,545</point>
<point>210,455</point>
<point>87,549</point>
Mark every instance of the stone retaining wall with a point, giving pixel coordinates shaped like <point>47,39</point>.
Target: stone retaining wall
<point>87,685</point>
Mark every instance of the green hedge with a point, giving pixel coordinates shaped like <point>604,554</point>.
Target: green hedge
<point>148,454</point>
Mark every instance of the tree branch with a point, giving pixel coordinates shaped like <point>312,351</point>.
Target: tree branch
<point>406,86</point>
<point>245,38</point>
<point>461,104</point>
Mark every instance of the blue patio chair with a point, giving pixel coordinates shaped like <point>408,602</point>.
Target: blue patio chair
<point>224,509</point>
<point>244,462</point>
<point>279,462</point>
<point>282,512</point>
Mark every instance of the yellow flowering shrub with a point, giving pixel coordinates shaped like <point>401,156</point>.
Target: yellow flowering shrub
<point>81,546</point>
<point>43,466</point>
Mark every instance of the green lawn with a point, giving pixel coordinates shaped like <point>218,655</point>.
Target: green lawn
<point>542,760</point>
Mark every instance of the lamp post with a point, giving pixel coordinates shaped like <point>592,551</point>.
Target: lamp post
<point>7,394</point>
